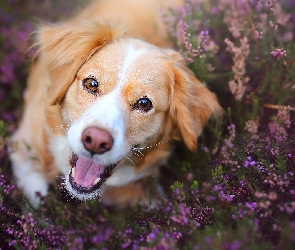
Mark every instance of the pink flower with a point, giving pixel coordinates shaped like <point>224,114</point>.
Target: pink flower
<point>237,86</point>
<point>279,53</point>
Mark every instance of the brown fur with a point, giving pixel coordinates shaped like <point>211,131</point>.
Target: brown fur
<point>66,50</point>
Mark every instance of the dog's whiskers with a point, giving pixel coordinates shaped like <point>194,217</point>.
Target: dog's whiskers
<point>61,109</point>
<point>134,152</point>
<point>157,144</point>
<point>65,127</point>
<point>55,144</point>
<point>67,120</point>
<point>137,151</point>
<point>129,160</point>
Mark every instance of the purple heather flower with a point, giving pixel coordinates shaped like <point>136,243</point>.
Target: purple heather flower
<point>167,209</point>
<point>251,205</point>
<point>235,245</point>
<point>279,53</point>
<point>125,245</point>
<point>12,243</point>
<point>152,235</point>
<point>210,198</point>
<point>233,216</point>
<point>249,162</point>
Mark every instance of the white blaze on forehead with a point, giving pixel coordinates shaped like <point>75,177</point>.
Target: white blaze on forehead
<point>132,54</point>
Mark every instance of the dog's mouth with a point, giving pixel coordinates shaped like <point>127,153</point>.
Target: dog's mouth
<point>86,177</point>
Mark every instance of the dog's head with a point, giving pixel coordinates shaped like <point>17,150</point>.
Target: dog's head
<point>118,92</point>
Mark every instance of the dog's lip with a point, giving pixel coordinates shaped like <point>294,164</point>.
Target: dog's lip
<point>98,182</point>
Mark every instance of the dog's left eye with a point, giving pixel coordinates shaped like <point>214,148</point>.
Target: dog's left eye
<point>91,84</point>
<point>143,104</point>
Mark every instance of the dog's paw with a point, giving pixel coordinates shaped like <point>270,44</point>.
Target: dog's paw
<point>33,183</point>
<point>34,186</point>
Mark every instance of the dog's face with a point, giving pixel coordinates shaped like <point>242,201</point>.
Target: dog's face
<point>125,93</point>
<point>118,99</point>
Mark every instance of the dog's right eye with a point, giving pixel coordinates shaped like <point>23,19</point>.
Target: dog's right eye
<point>91,84</point>
<point>143,104</point>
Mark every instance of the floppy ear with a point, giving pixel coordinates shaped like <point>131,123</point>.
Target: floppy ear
<point>64,48</point>
<point>191,103</point>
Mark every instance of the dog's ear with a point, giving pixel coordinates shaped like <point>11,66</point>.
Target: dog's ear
<point>191,103</point>
<point>63,49</point>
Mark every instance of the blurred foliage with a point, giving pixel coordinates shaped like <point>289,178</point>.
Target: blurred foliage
<point>237,192</point>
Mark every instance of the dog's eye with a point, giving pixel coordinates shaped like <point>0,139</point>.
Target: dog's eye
<point>143,104</point>
<point>91,84</point>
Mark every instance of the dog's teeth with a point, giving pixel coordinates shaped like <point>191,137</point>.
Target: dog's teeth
<point>73,172</point>
<point>96,181</point>
<point>101,169</point>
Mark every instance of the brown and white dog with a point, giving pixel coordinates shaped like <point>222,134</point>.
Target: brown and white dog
<point>103,105</point>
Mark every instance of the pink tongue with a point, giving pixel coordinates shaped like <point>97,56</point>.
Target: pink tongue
<point>87,172</point>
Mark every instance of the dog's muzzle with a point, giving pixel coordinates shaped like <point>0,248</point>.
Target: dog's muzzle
<point>86,176</point>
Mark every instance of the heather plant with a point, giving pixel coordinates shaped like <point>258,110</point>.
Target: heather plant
<point>243,48</point>
<point>236,192</point>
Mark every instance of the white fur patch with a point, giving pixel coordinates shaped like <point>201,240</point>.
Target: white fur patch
<point>28,179</point>
<point>61,151</point>
<point>122,176</point>
<point>131,55</point>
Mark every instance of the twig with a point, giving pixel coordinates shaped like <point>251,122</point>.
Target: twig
<point>255,36</point>
<point>248,184</point>
<point>278,107</point>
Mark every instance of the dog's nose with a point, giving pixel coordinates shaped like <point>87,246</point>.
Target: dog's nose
<point>97,140</point>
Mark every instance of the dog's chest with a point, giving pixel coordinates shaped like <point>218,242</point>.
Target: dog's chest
<point>124,175</point>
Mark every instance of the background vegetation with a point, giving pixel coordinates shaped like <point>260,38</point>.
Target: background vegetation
<point>237,192</point>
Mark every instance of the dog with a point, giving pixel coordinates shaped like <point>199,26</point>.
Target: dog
<point>107,96</point>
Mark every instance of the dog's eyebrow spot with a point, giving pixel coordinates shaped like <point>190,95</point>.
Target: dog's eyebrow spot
<point>131,55</point>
